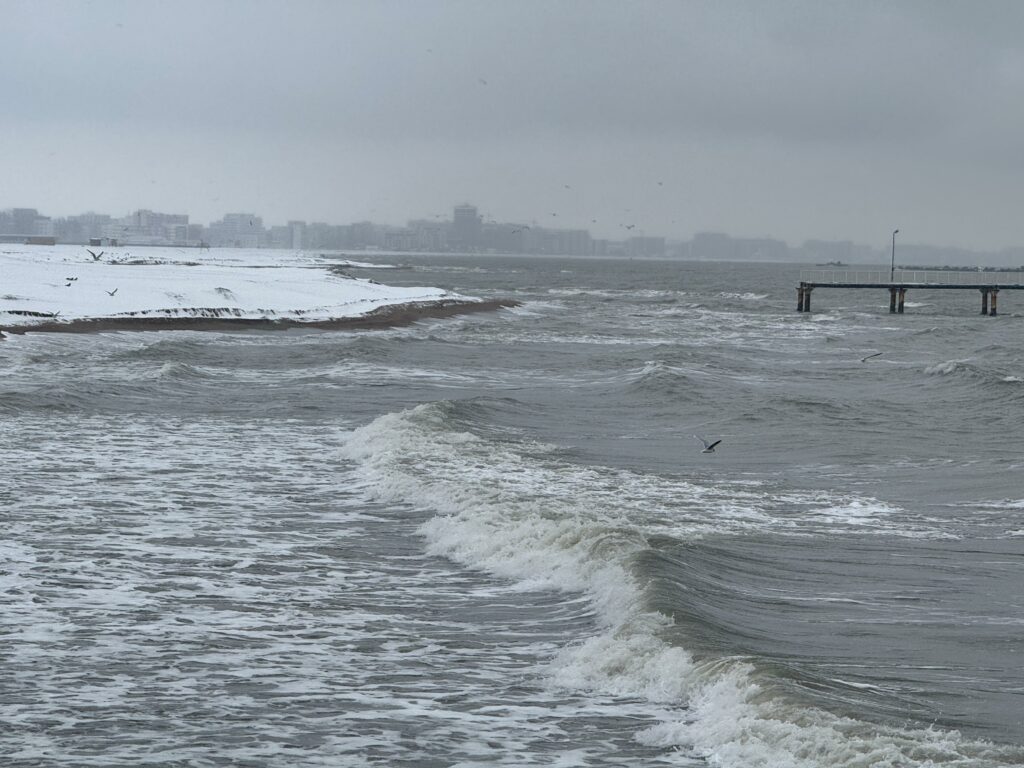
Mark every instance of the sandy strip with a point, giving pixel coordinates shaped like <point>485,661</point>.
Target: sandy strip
<point>388,316</point>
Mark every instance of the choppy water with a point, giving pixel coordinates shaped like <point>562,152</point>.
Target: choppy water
<point>494,539</point>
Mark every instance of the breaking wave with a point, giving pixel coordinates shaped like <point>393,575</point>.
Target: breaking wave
<point>522,511</point>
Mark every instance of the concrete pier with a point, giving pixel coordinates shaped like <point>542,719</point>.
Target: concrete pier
<point>898,282</point>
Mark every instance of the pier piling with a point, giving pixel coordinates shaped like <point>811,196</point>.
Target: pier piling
<point>988,282</point>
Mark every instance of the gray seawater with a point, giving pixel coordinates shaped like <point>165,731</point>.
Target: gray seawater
<point>494,540</point>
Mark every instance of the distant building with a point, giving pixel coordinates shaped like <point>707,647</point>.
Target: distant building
<point>365,234</point>
<point>431,236</point>
<point>466,228</point>
<point>237,230</point>
<point>641,246</point>
<point>82,228</point>
<point>711,246</point>
<point>567,242</point>
<point>23,221</point>
<point>504,238</point>
<point>718,246</point>
<point>330,237</point>
<point>400,240</point>
<point>279,237</point>
<point>43,229</point>
<point>298,230</point>
<point>161,228</point>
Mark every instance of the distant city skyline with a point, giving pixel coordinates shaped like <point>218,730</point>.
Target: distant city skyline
<point>797,120</point>
<point>465,231</point>
<point>553,220</point>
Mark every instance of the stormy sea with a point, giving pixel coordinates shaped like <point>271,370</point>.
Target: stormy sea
<point>496,539</point>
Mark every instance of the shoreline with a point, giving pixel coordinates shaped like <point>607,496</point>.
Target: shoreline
<point>389,316</point>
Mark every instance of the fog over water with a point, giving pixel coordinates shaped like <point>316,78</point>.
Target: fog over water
<point>792,120</point>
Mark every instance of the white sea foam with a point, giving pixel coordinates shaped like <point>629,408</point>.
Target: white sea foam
<point>609,293</point>
<point>944,368</point>
<point>520,512</point>
<point>748,296</point>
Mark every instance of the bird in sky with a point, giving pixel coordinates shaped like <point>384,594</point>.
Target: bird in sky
<point>111,293</point>
<point>96,257</point>
<point>630,226</point>
<point>708,447</point>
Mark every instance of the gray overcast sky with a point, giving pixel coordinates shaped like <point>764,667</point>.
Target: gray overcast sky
<point>788,119</point>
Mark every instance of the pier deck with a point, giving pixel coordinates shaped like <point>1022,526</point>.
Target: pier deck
<point>899,281</point>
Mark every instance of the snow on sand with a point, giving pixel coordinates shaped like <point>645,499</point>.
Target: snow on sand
<point>41,286</point>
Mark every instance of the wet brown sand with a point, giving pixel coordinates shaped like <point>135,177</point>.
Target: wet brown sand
<point>389,316</point>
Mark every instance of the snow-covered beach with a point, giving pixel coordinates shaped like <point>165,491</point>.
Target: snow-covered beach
<point>74,288</point>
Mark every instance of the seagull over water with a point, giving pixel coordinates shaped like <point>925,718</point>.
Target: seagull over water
<point>865,359</point>
<point>708,447</point>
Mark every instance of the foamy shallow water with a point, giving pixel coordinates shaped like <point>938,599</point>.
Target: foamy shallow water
<point>162,609</point>
<point>494,539</point>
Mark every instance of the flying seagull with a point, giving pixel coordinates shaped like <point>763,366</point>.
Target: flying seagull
<point>708,447</point>
<point>111,293</point>
<point>94,256</point>
<point>865,359</point>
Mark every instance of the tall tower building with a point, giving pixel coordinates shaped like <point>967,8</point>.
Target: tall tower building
<point>466,227</point>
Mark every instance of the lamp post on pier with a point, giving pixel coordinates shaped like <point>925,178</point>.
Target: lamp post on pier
<point>892,266</point>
